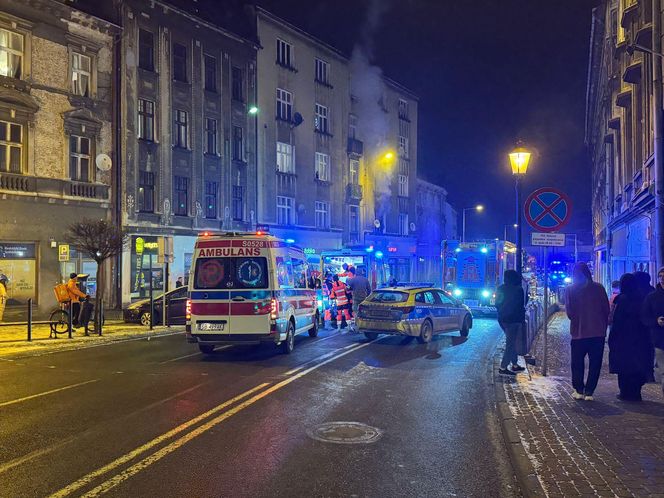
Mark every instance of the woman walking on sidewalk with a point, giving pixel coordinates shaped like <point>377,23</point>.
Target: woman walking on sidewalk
<point>629,341</point>
<point>510,301</point>
<point>652,315</point>
<point>587,307</point>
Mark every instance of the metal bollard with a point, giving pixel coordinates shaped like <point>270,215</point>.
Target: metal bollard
<point>30,319</point>
<point>70,319</point>
<point>101,315</point>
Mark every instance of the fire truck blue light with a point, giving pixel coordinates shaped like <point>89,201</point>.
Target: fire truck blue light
<point>485,293</point>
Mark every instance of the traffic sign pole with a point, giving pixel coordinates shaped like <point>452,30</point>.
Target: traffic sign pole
<point>545,361</point>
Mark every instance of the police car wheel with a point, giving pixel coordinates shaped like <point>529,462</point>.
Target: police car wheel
<point>465,328</point>
<point>313,331</point>
<point>426,333</point>
<point>145,319</point>
<point>289,344</point>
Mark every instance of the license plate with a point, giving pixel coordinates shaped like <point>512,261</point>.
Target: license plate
<point>211,326</point>
<point>380,314</point>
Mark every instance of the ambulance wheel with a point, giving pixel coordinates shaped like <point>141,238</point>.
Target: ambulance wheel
<point>206,348</point>
<point>313,331</point>
<point>426,332</point>
<point>289,344</point>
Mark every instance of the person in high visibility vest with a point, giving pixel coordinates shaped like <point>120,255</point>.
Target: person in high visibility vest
<point>339,291</point>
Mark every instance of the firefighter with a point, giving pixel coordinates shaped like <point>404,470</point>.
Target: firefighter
<point>339,291</point>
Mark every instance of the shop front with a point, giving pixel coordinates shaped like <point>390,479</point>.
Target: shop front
<point>18,262</point>
<point>631,248</point>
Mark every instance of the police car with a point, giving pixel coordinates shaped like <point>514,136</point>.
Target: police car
<point>417,311</point>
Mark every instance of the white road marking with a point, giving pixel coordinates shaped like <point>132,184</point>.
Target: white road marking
<point>33,396</point>
<point>170,448</point>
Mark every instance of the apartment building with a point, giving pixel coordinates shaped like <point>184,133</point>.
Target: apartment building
<point>620,138</point>
<point>188,91</point>
<point>56,116</point>
<point>337,151</point>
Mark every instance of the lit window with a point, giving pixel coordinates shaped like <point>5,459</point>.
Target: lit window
<point>79,158</point>
<point>285,163</point>
<point>11,54</point>
<point>354,171</point>
<point>322,72</point>
<point>81,67</point>
<point>322,214</point>
<point>146,120</point>
<point>322,167</point>
<point>11,147</point>
<point>284,105</point>
<point>321,119</point>
<point>285,210</point>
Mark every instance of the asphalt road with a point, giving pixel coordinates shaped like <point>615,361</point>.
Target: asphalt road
<point>156,418</point>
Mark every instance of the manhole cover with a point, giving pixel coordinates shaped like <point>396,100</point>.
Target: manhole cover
<point>345,433</point>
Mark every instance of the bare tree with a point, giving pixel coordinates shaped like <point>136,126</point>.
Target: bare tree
<point>99,240</point>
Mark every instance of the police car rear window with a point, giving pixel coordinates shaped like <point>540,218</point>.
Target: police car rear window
<point>388,297</point>
<point>231,273</point>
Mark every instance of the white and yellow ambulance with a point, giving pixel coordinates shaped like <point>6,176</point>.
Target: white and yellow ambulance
<point>248,288</point>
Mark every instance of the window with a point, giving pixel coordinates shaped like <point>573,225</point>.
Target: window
<point>11,147</point>
<point>403,185</point>
<point>285,163</point>
<point>299,272</point>
<point>145,50</point>
<point>322,167</point>
<point>284,53</point>
<point>354,222</point>
<point>146,120</point>
<point>81,69</point>
<point>231,273</point>
<point>425,297</point>
<point>211,199</point>
<point>322,214</point>
<point>179,62</point>
<point>11,54</point>
<point>445,299</point>
<point>146,192</point>
<point>403,147</point>
<point>404,133</point>
<point>284,105</point>
<point>352,126</point>
<point>322,72</point>
<point>181,195</point>
<point>237,84</point>
<point>181,135</point>
<point>79,158</point>
<point>210,64</point>
<point>211,136</point>
<point>238,144</point>
<point>403,223</point>
<point>354,171</point>
<point>238,203</point>
<point>285,210</point>
<point>403,109</point>
<point>320,121</point>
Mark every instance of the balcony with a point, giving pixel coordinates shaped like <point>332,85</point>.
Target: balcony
<point>354,192</point>
<point>53,187</point>
<point>355,146</point>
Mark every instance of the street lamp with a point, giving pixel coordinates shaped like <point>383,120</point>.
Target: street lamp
<point>479,208</point>
<point>519,159</point>
<point>515,226</point>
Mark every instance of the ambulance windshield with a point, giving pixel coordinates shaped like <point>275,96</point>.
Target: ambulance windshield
<point>231,273</point>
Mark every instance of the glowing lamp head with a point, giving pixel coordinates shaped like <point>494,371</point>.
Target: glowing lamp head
<point>479,208</point>
<point>389,156</point>
<point>253,110</point>
<point>519,159</point>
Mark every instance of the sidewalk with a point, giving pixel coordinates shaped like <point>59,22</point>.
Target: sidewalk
<point>585,448</point>
<point>13,339</point>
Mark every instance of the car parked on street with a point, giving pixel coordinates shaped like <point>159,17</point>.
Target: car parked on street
<point>176,302</point>
<point>413,311</point>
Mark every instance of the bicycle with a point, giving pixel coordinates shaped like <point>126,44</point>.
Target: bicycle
<point>59,319</point>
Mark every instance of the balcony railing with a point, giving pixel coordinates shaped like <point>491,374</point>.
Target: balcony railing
<point>354,191</point>
<point>54,187</point>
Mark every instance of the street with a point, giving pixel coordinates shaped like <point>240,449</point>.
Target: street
<point>157,418</point>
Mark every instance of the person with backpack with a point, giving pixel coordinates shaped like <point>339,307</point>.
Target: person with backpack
<point>511,305</point>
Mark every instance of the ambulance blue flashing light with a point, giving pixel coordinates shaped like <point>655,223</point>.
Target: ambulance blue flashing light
<point>458,249</point>
<point>290,241</point>
<point>379,254</point>
<point>370,249</point>
<point>485,293</point>
<point>484,250</point>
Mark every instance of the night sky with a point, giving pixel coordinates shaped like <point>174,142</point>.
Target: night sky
<point>488,72</point>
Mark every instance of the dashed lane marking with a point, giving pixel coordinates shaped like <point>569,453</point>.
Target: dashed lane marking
<point>33,396</point>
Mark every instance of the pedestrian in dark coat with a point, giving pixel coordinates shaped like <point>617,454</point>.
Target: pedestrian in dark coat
<point>629,341</point>
<point>643,280</point>
<point>652,316</point>
<point>510,302</point>
<point>587,307</point>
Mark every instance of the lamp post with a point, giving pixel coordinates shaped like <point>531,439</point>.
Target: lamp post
<point>519,159</point>
<point>479,208</point>
<point>505,230</point>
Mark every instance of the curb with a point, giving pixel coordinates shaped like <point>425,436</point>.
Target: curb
<point>523,468</point>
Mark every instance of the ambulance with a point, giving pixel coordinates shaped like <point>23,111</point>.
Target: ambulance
<point>249,288</point>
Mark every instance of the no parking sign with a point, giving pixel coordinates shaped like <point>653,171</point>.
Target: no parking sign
<point>548,209</point>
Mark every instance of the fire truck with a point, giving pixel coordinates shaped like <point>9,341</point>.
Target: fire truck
<point>473,271</point>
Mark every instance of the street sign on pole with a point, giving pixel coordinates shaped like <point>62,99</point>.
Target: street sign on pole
<point>548,209</point>
<point>63,252</point>
<point>548,239</point>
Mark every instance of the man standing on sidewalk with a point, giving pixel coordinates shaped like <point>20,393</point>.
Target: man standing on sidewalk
<point>587,307</point>
<point>510,301</point>
<point>652,316</point>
